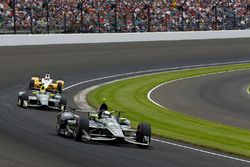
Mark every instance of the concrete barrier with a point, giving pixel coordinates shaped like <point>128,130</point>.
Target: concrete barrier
<point>47,39</point>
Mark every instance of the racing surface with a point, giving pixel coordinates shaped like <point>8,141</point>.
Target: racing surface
<point>28,137</point>
<point>222,97</point>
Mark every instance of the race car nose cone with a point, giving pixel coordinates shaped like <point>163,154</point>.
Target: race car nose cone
<point>44,101</point>
<point>116,131</point>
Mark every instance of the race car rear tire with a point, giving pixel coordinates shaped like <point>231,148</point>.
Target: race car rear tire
<point>59,87</point>
<point>32,84</point>
<point>143,134</point>
<point>81,124</point>
<point>63,103</point>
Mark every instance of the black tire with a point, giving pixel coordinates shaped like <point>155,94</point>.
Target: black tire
<point>59,87</point>
<point>32,84</point>
<point>63,103</point>
<point>19,101</point>
<point>143,130</point>
<point>24,97</point>
<point>59,126</point>
<point>81,124</point>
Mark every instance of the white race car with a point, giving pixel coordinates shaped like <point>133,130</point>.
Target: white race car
<point>41,99</point>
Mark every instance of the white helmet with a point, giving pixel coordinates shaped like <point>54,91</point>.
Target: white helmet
<point>125,122</point>
<point>47,76</point>
<point>106,114</point>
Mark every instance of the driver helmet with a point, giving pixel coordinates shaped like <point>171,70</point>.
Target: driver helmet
<point>67,116</point>
<point>106,114</point>
<point>47,76</point>
<point>42,89</point>
<point>125,122</point>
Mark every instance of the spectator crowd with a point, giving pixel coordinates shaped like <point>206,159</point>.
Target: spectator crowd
<point>41,16</point>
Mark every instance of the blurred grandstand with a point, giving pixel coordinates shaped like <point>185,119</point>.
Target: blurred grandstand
<point>99,16</point>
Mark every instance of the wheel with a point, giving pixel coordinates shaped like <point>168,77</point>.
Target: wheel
<point>81,124</point>
<point>63,103</point>
<point>23,100</point>
<point>19,101</point>
<point>143,134</point>
<point>32,84</point>
<point>58,126</point>
<point>59,87</point>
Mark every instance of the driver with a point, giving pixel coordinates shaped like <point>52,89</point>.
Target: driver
<point>105,114</point>
<point>47,77</point>
<point>42,89</point>
<point>103,107</point>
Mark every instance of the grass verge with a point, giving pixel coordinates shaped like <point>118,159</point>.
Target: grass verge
<point>131,96</point>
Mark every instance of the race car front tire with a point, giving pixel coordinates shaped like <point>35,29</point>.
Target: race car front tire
<point>143,134</point>
<point>58,126</point>
<point>81,124</point>
<point>23,100</point>
<point>32,84</point>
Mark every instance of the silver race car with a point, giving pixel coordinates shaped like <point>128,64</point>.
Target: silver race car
<point>41,99</point>
<point>102,127</point>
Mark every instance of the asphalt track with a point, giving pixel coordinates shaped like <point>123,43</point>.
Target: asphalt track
<point>222,97</point>
<point>27,136</point>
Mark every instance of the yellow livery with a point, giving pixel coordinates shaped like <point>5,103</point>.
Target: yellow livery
<point>48,83</point>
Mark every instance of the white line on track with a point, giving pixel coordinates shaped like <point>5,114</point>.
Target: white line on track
<point>184,78</point>
<point>145,72</point>
<point>202,151</point>
<point>156,70</point>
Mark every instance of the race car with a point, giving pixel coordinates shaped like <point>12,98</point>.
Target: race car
<point>42,99</point>
<point>49,84</point>
<point>104,127</point>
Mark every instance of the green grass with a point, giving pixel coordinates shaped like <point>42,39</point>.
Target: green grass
<point>131,96</point>
<point>248,90</point>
